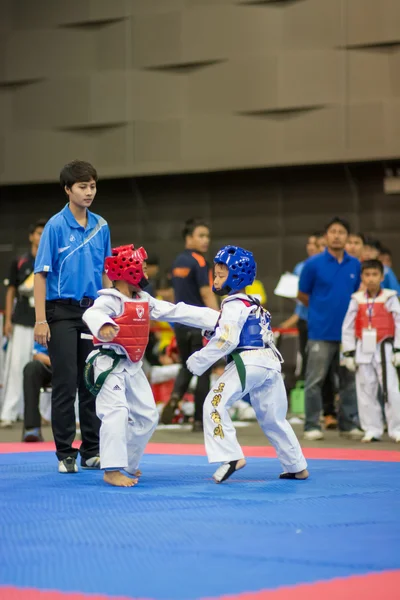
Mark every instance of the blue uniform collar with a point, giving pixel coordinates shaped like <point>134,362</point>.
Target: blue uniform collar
<point>72,222</point>
<point>346,256</point>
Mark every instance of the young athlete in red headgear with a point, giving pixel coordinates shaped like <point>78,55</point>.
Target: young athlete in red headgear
<point>120,323</point>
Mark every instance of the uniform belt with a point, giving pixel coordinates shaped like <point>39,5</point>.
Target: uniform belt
<point>83,303</point>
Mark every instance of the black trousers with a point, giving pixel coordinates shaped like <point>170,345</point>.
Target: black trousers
<point>190,340</point>
<point>68,353</point>
<point>36,375</point>
<point>329,386</point>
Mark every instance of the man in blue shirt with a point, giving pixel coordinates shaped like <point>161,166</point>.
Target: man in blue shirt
<point>191,282</point>
<point>68,274</point>
<point>326,284</point>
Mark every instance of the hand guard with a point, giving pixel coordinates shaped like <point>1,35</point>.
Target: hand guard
<point>396,357</point>
<point>349,361</point>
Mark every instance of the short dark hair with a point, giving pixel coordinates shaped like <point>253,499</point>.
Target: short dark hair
<point>77,171</point>
<point>372,243</point>
<point>359,235</point>
<point>191,224</point>
<point>338,221</point>
<point>374,263</point>
<point>39,224</point>
<point>153,260</point>
<point>384,250</point>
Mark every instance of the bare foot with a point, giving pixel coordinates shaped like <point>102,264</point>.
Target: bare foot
<point>138,473</point>
<point>227,469</point>
<point>300,475</point>
<point>118,479</point>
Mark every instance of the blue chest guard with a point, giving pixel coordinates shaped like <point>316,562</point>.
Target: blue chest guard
<point>253,331</point>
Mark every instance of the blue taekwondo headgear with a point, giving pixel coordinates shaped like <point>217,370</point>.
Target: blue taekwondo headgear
<point>242,269</point>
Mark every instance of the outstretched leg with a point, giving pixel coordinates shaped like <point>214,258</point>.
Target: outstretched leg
<point>270,404</point>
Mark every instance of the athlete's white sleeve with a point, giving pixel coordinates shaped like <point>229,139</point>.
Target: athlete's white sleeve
<point>393,306</point>
<point>104,308</point>
<point>225,339</point>
<point>348,327</point>
<point>185,314</point>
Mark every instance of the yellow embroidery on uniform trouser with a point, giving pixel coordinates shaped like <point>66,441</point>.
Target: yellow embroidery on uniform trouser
<point>219,432</point>
<point>216,400</point>
<point>219,389</point>
<point>216,417</point>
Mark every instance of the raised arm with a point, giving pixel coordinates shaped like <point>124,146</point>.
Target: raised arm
<point>224,341</point>
<point>185,314</point>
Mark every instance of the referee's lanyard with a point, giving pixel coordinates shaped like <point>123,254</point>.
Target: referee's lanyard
<point>369,338</point>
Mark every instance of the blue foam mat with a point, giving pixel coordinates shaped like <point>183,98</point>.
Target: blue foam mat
<point>179,536</point>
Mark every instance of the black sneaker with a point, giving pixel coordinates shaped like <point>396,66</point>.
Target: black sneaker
<point>90,463</point>
<point>68,465</point>
<point>169,410</point>
<point>198,427</point>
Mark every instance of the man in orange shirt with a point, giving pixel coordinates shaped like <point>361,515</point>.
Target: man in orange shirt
<point>191,281</point>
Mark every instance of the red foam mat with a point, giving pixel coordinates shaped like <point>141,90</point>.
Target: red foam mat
<point>365,587</point>
<point>249,451</point>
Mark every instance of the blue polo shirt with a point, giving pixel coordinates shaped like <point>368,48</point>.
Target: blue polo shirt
<point>329,285</point>
<point>72,256</point>
<point>300,310</point>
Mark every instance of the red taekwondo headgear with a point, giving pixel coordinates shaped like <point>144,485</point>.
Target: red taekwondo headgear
<point>126,264</point>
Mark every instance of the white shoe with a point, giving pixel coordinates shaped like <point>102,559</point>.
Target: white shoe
<point>313,435</point>
<point>6,424</point>
<point>68,465</point>
<point>355,434</point>
<point>370,437</point>
<point>396,438</point>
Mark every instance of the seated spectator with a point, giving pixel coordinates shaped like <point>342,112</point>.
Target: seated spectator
<point>36,375</point>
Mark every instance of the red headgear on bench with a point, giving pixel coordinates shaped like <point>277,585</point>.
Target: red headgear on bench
<point>126,264</point>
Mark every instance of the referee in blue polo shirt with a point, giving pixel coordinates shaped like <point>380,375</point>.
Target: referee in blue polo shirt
<point>326,284</point>
<point>68,273</point>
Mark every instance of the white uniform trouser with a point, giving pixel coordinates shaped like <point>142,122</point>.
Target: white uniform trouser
<point>269,400</point>
<point>369,408</point>
<point>128,414</point>
<point>19,352</point>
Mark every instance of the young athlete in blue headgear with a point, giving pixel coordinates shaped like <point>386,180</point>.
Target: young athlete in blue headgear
<point>243,335</point>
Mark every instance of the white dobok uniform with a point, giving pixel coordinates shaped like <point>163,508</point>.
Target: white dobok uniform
<point>369,372</point>
<point>264,383</point>
<point>125,403</point>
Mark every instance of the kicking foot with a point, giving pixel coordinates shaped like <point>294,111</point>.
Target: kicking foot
<point>227,469</point>
<point>300,475</point>
<point>119,479</point>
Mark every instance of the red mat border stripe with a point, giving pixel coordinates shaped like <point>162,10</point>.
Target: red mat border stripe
<point>367,587</point>
<point>249,451</point>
